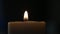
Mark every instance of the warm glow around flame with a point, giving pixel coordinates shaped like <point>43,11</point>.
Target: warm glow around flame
<point>25,15</point>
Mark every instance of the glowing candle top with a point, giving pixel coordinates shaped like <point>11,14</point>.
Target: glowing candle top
<point>25,15</point>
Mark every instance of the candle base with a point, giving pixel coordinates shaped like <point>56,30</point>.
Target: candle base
<point>33,27</point>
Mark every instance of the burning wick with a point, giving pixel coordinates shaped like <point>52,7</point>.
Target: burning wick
<point>25,16</point>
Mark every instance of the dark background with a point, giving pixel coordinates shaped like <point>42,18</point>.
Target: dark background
<point>48,10</point>
<point>35,9</point>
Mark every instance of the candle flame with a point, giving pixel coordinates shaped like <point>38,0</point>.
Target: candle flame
<point>25,15</point>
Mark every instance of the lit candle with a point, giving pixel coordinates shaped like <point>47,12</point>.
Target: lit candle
<point>25,16</point>
<point>26,26</point>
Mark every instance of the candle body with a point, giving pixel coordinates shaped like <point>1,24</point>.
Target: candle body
<point>26,27</point>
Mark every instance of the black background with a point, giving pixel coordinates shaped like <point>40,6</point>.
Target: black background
<point>35,9</point>
<point>48,10</point>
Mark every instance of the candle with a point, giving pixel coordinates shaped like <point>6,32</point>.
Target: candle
<point>26,27</point>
